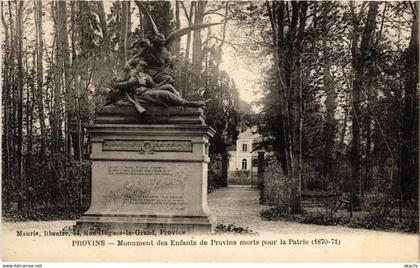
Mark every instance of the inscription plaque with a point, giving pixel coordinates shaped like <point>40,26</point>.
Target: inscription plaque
<point>147,146</point>
<point>148,185</point>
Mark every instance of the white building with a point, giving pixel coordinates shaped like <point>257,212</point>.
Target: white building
<point>243,159</point>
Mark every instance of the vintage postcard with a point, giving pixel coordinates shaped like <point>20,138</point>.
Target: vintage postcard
<point>210,131</point>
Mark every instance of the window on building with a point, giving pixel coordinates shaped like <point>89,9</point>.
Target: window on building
<point>244,147</point>
<point>244,164</point>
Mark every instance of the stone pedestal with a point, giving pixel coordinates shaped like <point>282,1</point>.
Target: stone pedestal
<point>149,171</point>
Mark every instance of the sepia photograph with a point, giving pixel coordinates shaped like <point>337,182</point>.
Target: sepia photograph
<point>209,131</point>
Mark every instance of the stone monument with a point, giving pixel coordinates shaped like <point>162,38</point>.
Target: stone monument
<point>149,172</point>
<point>149,148</point>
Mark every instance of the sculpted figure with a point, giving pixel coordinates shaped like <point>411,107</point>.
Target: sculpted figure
<point>139,88</point>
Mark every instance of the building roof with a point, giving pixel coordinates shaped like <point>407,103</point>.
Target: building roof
<point>249,134</point>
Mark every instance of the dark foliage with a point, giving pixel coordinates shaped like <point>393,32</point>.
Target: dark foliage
<point>364,219</point>
<point>232,228</point>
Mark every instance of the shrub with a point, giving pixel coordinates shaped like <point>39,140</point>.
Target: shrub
<point>322,218</point>
<point>276,187</point>
<point>214,172</point>
<point>312,180</point>
<point>273,214</point>
<point>240,173</point>
<point>231,228</point>
<point>364,219</point>
<point>57,189</point>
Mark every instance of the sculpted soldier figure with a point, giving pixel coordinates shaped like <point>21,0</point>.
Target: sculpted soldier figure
<point>139,88</point>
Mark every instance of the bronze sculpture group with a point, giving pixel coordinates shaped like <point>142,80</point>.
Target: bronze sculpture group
<point>147,78</point>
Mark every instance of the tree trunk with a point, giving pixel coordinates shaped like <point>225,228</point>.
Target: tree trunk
<point>72,137</point>
<point>190,18</point>
<point>63,61</point>
<point>296,112</point>
<point>329,132</point>
<point>29,105</point>
<point>40,74</point>
<point>74,119</point>
<point>409,143</point>
<point>14,161</point>
<point>104,26</point>
<point>359,58</point>
<point>198,55</point>
<point>19,28</point>
<point>368,164</point>
<point>6,73</point>
<point>177,26</point>
<point>224,177</point>
<point>122,42</point>
<point>276,15</point>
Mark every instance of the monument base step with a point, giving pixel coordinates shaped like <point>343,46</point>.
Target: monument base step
<point>148,224</point>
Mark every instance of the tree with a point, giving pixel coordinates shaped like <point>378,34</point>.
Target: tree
<point>288,45</point>
<point>359,60</point>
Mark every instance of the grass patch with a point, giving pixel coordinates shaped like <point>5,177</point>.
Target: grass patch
<point>41,215</point>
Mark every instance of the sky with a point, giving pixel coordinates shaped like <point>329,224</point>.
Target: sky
<point>246,76</point>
